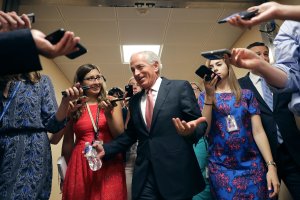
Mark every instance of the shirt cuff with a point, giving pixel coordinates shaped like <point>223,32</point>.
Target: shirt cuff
<point>288,85</point>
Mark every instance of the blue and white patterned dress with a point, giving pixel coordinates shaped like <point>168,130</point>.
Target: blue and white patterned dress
<point>25,153</point>
<point>236,166</point>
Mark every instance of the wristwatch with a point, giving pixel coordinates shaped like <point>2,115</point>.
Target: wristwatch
<point>271,163</point>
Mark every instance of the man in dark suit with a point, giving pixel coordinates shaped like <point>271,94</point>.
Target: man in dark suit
<point>166,166</point>
<point>279,124</point>
<point>20,46</point>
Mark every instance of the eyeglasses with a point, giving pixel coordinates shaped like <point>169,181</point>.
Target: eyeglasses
<point>93,79</point>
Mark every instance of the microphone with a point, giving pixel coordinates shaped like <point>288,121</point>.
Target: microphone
<point>85,87</point>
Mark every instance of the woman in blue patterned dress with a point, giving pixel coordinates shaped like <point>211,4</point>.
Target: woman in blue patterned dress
<point>240,160</point>
<point>28,110</point>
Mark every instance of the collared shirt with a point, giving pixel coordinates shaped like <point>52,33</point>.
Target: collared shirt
<point>155,89</point>
<point>257,83</point>
<point>256,80</point>
<point>287,54</point>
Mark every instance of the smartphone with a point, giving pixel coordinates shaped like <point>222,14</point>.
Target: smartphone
<point>31,17</point>
<point>85,87</point>
<point>216,54</point>
<point>115,100</point>
<point>129,90</point>
<point>56,36</point>
<point>203,70</point>
<point>246,15</point>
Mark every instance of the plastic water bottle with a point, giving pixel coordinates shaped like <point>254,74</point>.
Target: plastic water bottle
<point>91,155</point>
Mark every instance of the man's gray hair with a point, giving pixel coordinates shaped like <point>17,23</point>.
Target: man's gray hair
<point>151,58</point>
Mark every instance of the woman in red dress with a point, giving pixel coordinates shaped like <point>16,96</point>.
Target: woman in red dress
<point>107,183</point>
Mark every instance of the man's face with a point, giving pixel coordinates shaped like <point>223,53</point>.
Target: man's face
<point>262,52</point>
<point>144,73</point>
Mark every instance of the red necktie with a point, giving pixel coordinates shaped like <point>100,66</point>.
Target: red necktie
<point>149,108</point>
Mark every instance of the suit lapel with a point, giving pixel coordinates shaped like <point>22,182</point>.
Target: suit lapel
<point>137,109</point>
<point>161,97</point>
<point>275,100</point>
<point>256,93</point>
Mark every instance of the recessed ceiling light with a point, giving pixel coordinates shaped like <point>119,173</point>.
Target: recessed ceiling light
<point>128,50</point>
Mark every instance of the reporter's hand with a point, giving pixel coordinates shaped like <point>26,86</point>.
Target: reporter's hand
<point>108,106</point>
<point>72,94</point>
<point>247,59</point>
<point>11,21</point>
<point>65,46</point>
<point>266,11</point>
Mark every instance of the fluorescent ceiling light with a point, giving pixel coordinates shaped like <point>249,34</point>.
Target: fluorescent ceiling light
<point>128,50</point>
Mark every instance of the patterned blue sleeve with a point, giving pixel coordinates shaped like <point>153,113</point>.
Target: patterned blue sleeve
<point>253,107</point>
<point>49,106</point>
<point>201,100</point>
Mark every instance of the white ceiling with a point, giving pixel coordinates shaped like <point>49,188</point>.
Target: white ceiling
<point>183,32</point>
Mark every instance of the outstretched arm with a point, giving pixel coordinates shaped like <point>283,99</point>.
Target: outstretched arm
<point>247,59</point>
<point>268,11</point>
<point>21,46</point>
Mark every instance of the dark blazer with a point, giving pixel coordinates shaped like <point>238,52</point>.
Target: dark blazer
<point>18,53</point>
<point>281,116</point>
<point>170,155</point>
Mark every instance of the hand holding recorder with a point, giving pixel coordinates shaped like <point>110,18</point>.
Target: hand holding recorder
<point>11,21</point>
<point>128,94</point>
<point>207,74</point>
<point>66,45</point>
<point>57,36</point>
<point>245,15</point>
<point>266,12</point>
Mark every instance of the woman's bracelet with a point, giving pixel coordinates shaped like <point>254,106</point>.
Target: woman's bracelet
<point>271,163</point>
<point>208,104</point>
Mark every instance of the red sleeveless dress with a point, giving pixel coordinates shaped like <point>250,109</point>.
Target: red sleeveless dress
<point>81,183</point>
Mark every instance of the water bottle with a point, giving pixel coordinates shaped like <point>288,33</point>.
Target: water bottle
<point>91,155</point>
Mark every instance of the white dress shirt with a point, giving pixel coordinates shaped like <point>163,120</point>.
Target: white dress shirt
<point>257,83</point>
<point>256,80</point>
<point>154,89</point>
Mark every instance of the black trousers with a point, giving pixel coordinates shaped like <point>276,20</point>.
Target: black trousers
<point>288,171</point>
<point>150,191</point>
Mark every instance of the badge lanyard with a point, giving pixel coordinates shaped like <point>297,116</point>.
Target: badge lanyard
<point>231,124</point>
<point>95,125</point>
<point>9,100</point>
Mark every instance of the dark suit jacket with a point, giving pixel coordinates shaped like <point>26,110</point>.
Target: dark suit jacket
<point>281,116</point>
<point>170,155</point>
<point>18,53</point>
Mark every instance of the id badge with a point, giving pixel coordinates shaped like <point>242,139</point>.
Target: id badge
<point>231,124</point>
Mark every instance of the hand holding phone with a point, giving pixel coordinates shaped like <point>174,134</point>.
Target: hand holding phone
<point>56,36</point>
<point>206,73</point>
<point>246,15</point>
<point>85,87</point>
<point>216,54</point>
<point>31,17</point>
<point>129,90</point>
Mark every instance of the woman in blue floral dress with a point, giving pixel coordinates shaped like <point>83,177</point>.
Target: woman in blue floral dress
<point>28,110</point>
<point>240,161</point>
